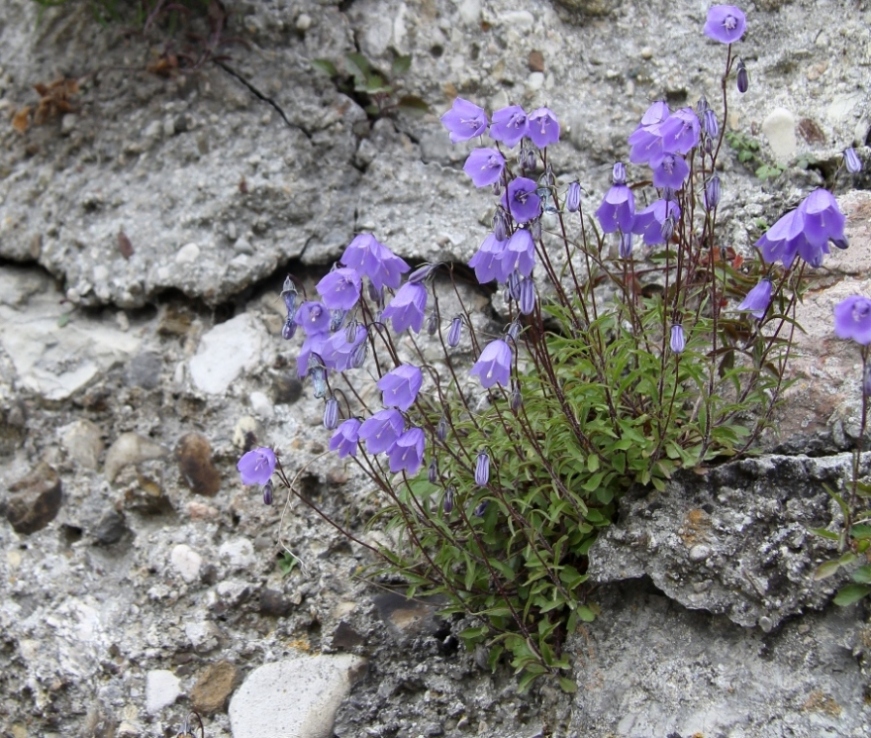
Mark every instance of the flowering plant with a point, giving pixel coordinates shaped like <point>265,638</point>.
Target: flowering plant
<point>629,346</point>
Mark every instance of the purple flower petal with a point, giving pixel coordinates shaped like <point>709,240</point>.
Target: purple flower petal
<point>494,364</point>
<point>381,430</point>
<point>543,127</point>
<point>257,466</point>
<point>853,319</point>
<point>725,24</point>
<point>340,289</point>
<point>509,125</point>
<point>400,386</point>
<point>407,453</point>
<point>346,438</point>
<point>521,200</point>
<point>407,307</point>
<point>757,300</point>
<point>484,167</point>
<point>464,120</point>
<point>374,260</point>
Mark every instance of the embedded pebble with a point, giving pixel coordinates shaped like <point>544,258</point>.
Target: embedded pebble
<point>130,448</point>
<point>779,129</point>
<point>194,455</point>
<point>186,562</point>
<point>35,500</point>
<point>82,440</point>
<point>162,688</point>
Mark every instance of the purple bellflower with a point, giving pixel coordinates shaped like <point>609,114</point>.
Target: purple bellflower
<point>257,466</point>
<point>669,170</point>
<point>312,317</point>
<point>725,24</point>
<point>374,260</point>
<point>543,127</point>
<point>494,364</point>
<point>407,453</point>
<point>573,197</point>
<point>519,255</point>
<point>823,219</point>
<point>407,307</point>
<point>645,141</point>
<point>853,319</point>
<point>337,352</point>
<point>340,289</point>
<point>680,131</point>
<point>482,469</point>
<point>487,261</point>
<point>484,167</point>
<point>312,346</point>
<point>346,438</point>
<point>521,200</point>
<point>757,300</point>
<point>509,125</point>
<point>617,211</point>
<point>381,430</point>
<point>650,223</point>
<point>400,386</point>
<point>781,241</point>
<point>464,120</point>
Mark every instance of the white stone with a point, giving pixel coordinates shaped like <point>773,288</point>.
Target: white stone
<point>779,128</point>
<point>238,553</point>
<point>294,698</point>
<point>261,405</point>
<point>162,688</point>
<point>82,442</point>
<point>130,448</point>
<point>225,352</point>
<point>187,254</point>
<point>470,12</point>
<point>186,562</point>
<point>520,20</point>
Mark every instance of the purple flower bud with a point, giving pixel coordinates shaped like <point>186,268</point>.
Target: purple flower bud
<point>481,509</point>
<point>618,173</point>
<point>666,231</point>
<point>257,466</point>
<point>318,375</point>
<point>712,193</point>
<point>841,243</point>
<point>535,229</point>
<point>742,80</point>
<point>526,299</point>
<point>448,504</point>
<point>358,357</point>
<point>442,429</point>
<point>678,340</point>
<point>573,197</point>
<point>516,397</point>
<point>702,106</point>
<point>289,295</point>
<point>288,330</point>
<point>866,382</point>
<point>500,225</point>
<point>853,319</point>
<point>709,124</point>
<point>421,273</point>
<point>455,331</point>
<point>267,493</point>
<point>852,161</point>
<point>626,245</point>
<point>527,157</point>
<point>513,285</point>
<point>432,472</point>
<point>337,317</point>
<point>513,330</point>
<point>482,469</point>
<point>331,413</point>
<point>432,322</point>
<point>758,299</point>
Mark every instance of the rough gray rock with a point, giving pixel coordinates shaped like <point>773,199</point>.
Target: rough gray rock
<point>736,541</point>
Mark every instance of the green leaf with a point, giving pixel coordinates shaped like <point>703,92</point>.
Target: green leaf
<point>569,686</point>
<point>473,635</point>
<point>851,593</point>
<point>861,532</point>
<point>862,575</point>
<point>586,613</point>
<point>401,64</point>
<point>412,104</point>
<point>823,533</point>
<point>593,463</point>
<point>326,66</point>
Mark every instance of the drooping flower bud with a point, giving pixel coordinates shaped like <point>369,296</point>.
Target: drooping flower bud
<point>626,245</point>
<point>448,504</point>
<point>331,413</point>
<point>535,229</point>
<point>514,285</point>
<point>267,493</point>
<point>442,429</point>
<point>852,161</point>
<point>482,469</point>
<point>481,509</point>
<point>358,358</point>
<point>678,341</point>
<point>513,330</point>
<point>841,243</point>
<point>667,229</point>
<point>516,397</point>
<point>743,81</point>
<point>376,294</point>
<point>573,197</point>
<point>288,330</point>
<point>712,193</point>
<point>421,273</point>
<point>709,124</point>
<point>455,332</point>
<point>337,317</point>
<point>618,174</point>
<point>866,382</point>
<point>527,156</point>
<point>526,298</point>
<point>289,295</point>
<point>318,375</point>
<point>500,225</point>
<point>432,472</point>
<point>432,322</point>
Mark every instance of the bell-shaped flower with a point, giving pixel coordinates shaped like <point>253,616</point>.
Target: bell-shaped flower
<point>781,241</point>
<point>669,170</point>
<point>484,167</point>
<point>757,300</point>
<point>312,346</point>
<point>257,466</point>
<point>374,260</point>
<point>313,317</point>
<point>346,438</point>
<point>494,364</point>
<point>677,341</point>
<point>853,319</point>
<point>617,211</point>
<point>823,219</point>
<point>340,289</point>
<point>519,255</point>
<point>543,127</point>
<point>407,308</point>
<point>650,223</point>
<point>487,261</point>
<point>337,352</point>
<point>464,120</point>
<point>407,453</point>
<point>725,24</point>
<point>680,131</point>
<point>482,469</point>
<point>521,200</point>
<point>400,386</point>
<point>646,141</point>
<point>381,430</point>
<point>509,125</point>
